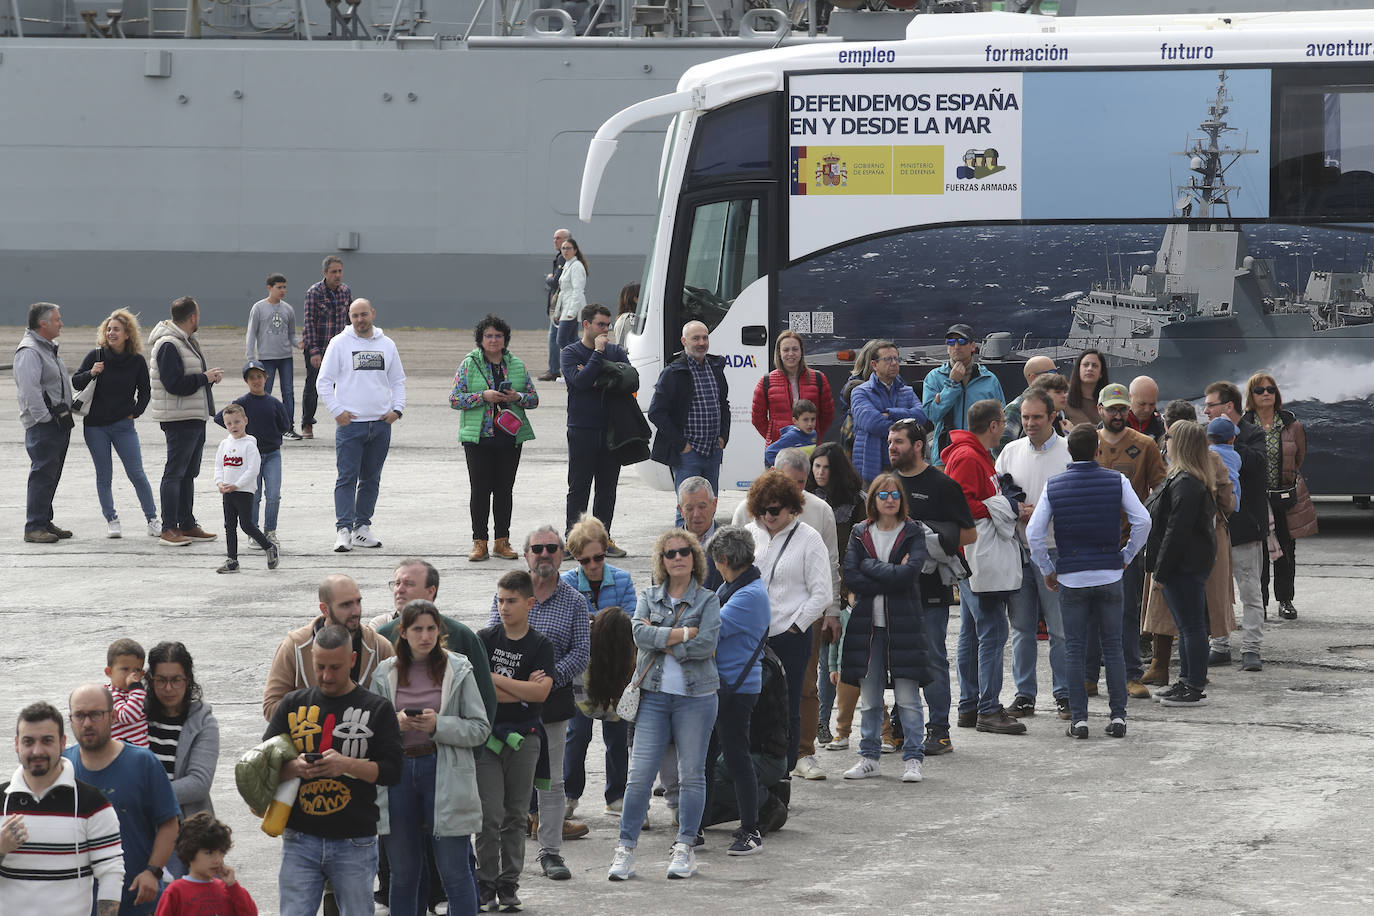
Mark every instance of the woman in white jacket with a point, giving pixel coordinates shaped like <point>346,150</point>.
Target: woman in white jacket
<point>572,292</point>
<point>796,568</point>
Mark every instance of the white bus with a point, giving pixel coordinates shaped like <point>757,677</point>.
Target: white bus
<point>1193,196</point>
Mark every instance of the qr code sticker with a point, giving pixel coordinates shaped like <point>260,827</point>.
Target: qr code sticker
<point>822,322</point>
<point>799,322</point>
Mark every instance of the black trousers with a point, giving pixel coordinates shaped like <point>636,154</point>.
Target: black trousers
<point>589,460</point>
<point>310,398</point>
<point>730,739</point>
<point>1285,567</point>
<point>492,464</point>
<point>238,513</point>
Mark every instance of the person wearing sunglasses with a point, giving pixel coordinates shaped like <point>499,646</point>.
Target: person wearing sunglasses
<point>676,627</point>
<point>604,586</point>
<point>886,638</point>
<point>950,390</point>
<point>878,403</point>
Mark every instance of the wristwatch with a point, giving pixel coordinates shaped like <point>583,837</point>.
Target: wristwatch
<point>397,413</point>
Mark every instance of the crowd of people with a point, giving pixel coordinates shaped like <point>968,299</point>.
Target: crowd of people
<point>1075,509</point>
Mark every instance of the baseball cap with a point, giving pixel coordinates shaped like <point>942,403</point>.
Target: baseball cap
<point>960,330</point>
<point>1114,395</point>
<point>1222,428</point>
<point>253,364</point>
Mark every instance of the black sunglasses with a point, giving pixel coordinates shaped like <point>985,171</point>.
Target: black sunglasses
<point>1265,389</point>
<point>772,510</point>
<point>675,552</point>
<point>594,558</point>
<point>957,341</point>
<point>544,548</point>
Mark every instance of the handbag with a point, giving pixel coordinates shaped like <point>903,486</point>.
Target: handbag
<point>1284,498</point>
<point>628,707</point>
<point>82,400</point>
<point>508,422</point>
<point>61,413</point>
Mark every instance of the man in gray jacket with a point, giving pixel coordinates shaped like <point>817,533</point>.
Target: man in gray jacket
<point>42,381</point>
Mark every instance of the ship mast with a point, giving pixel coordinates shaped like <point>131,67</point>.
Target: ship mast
<point>1209,159</point>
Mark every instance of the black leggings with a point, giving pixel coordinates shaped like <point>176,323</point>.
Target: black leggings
<point>730,739</point>
<point>491,477</point>
<point>238,513</point>
<point>1285,567</point>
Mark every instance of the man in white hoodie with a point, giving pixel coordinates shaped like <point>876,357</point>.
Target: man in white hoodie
<point>363,385</point>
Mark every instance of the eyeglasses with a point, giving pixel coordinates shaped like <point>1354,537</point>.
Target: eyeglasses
<point>567,248</point>
<point>1116,408</point>
<point>594,558</point>
<point>90,716</point>
<point>772,510</point>
<point>957,341</point>
<point>177,681</point>
<point>675,552</point>
<point>544,548</point>
<point>1265,389</point>
<point>1208,405</point>
<point>394,584</point>
<point>889,494</point>
<point>888,359</point>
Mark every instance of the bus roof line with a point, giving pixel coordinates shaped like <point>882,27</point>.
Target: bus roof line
<point>701,98</point>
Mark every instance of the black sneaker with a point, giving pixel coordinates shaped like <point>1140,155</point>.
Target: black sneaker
<point>273,556</point>
<point>937,742</point>
<point>823,735</point>
<point>1077,730</point>
<point>292,435</point>
<point>699,840</point>
<point>747,842</point>
<point>1217,658</point>
<point>1185,696</point>
<point>1160,695</point>
<point>230,566</point>
<point>1021,706</point>
<point>1250,661</point>
<point>1061,704</point>
<point>1116,728</point>
<point>1286,609</point>
<point>553,867</point>
<point>507,898</point>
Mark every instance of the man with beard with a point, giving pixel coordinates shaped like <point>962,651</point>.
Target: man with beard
<point>62,834</point>
<point>136,784</point>
<point>340,603</point>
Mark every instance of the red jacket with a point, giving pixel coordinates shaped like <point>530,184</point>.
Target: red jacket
<point>969,464</point>
<point>773,402</point>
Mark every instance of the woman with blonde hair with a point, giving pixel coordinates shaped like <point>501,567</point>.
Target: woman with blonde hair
<point>1181,552</point>
<point>121,395</point>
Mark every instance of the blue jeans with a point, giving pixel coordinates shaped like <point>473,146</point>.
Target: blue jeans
<point>282,368</point>
<point>695,464</point>
<point>1132,585</point>
<point>687,722</point>
<point>270,479</point>
<point>871,705</point>
<point>567,333</point>
<point>794,651</point>
<point>982,639</point>
<point>307,861</point>
<point>123,437</point>
<point>1027,605</point>
<point>616,737</point>
<point>359,453</point>
<point>410,807</point>
<point>937,691</point>
<point>1186,594</point>
<point>553,349</point>
<point>185,442</point>
<point>1100,603</point>
<point>46,444</point>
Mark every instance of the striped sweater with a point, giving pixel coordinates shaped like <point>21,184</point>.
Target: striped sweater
<point>130,723</point>
<point>73,837</point>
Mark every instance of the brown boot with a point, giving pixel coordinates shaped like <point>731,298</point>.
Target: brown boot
<point>503,550</point>
<point>1158,672</point>
<point>479,551</point>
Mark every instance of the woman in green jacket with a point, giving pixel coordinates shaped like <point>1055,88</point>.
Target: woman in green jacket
<point>493,391</point>
<point>442,718</point>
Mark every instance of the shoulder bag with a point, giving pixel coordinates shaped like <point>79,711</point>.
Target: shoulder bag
<point>81,401</point>
<point>628,707</point>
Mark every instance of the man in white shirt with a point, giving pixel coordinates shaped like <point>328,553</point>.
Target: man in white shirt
<point>1087,572</point>
<point>1031,461</point>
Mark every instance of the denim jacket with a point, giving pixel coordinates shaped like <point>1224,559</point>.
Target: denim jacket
<point>653,620</point>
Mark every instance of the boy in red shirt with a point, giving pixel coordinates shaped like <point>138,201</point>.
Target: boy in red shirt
<point>209,888</point>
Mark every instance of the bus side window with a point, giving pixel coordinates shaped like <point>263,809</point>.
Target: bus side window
<point>722,258</point>
<point>1323,152</point>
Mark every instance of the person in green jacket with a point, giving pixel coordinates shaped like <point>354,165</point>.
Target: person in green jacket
<point>493,391</point>
<point>442,719</point>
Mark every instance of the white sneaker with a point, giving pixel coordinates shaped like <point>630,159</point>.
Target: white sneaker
<point>684,861</point>
<point>623,865</point>
<point>154,528</point>
<point>889,747</point>
<point>865,768</point>
<point>112,529</point>
<point>272,536</point>
<point>343,541</point>
<point>912,772</point>
<point>839,744</point>
<point>570,808</point>
<point>362,537</point>
<point>808,768</point>
<point>614,808</point>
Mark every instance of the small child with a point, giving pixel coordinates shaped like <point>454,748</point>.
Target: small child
<point>802,434</point>
<point>124,667</point>
<point>272,339</point>
<point>209,885</point>
<point>236,474</point>
<point>268,422</point>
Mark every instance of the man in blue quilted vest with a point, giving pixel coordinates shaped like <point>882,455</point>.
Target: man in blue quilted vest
<point>1085,504</point>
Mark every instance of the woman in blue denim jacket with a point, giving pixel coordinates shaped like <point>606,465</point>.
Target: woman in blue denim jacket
<point>676,625</point>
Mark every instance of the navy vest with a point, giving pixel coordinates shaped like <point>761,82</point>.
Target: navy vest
<point>1086,500</point>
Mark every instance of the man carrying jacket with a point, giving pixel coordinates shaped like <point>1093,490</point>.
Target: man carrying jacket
<point>590,458</point>
<point>951,390</point>
<point>691,412</point>
<point>878,403</point>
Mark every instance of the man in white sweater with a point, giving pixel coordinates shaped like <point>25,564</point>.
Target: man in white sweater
<point>1031,461</point>
<point>363,385</point>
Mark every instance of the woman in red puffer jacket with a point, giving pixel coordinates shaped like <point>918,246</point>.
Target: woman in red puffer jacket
<point>776,391</point>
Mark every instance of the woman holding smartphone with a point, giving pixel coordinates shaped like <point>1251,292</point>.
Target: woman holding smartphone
<point>442,718</point>
<point>493,390</point>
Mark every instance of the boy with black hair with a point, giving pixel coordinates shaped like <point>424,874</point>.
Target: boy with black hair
<point>801,434</point>
<point>236,474</point>
<point>124,667</point>
<point>268,422</point>
<point>209,886</point>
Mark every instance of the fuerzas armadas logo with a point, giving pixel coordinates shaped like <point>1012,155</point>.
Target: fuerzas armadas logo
<point>976,166</point>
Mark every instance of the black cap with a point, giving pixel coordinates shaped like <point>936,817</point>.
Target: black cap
<point>960,330</point>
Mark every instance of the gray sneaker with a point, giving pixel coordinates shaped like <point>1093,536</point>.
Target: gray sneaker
<point>1250,661</point>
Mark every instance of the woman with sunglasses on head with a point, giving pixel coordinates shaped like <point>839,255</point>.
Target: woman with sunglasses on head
<point>676,627</point>
<point>885,638</point>
<point>1285,448</point>
<point>796,571</point>
<point>1086,382</point>
<point>604,586</point>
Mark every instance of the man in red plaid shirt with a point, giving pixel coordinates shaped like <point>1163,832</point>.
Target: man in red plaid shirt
<point>326,314</point>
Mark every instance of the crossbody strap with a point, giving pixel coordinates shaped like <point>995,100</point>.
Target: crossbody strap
<point>750,664</point>
<point>639,680</point>
<point>773,570</point>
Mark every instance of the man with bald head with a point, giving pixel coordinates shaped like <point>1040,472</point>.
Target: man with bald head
<point>363,385</point>
<point>1035,367</point>
<point>136,784</point>
<point>691,411</point>
<point>1143,417</point>
<point>341,603</point>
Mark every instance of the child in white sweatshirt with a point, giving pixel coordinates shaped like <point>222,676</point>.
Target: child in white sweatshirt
<point>236,474</point>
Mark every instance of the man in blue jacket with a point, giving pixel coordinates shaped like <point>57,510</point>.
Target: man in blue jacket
<point>878,403</point>
<point>953,388</point>
<point>691,411</point>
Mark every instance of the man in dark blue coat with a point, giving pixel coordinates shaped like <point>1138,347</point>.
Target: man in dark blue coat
<point>691,411</point>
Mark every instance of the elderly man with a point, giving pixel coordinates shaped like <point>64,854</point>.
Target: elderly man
<point>1035,367</point>
<point>44,388</point>
<point>136,784</point>
<point>696,505</point>
<point>63,835</point>
<point>691,411</point>
<point>1143,417</point>
<point>560,613</point>
<point>551,300</point>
